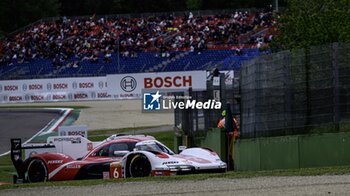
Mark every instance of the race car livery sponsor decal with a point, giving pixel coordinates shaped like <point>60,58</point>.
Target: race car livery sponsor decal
<point>73,166</point>
<point>170,162</point>
<point>55,162</point>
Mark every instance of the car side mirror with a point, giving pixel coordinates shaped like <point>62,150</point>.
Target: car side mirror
<point>181,148</point>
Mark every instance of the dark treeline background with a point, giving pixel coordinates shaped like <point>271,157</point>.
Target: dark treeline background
<point>15,14</point>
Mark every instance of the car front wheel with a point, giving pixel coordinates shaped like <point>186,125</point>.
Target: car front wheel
<point>140,166</point>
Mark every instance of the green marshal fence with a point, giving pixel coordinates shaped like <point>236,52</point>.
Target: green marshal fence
<point>298,151</point>
<point>295,109</point>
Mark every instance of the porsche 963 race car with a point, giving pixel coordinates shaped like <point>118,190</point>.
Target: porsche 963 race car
<point>119,156</point>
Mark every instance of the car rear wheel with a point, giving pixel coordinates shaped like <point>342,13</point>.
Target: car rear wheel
<point>140,166</point>
<point>37,171</point>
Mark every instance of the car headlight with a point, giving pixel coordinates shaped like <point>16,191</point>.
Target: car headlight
<point>173,168</point>
<point>185,168</point>
<point>222,165</point>
<point>180,167</point>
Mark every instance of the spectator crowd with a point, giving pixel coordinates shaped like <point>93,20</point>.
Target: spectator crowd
<point>94,39</point>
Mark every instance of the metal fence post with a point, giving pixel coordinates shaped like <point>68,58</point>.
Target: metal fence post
<point>307,125</point>
<point>336,115</point>
<point>287,91</point>
<point>256,89</point>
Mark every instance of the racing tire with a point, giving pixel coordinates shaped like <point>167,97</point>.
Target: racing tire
<point>37,171</point>
<point>140,166</point>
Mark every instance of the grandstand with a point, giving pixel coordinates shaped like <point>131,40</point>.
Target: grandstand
<point>97,46</point>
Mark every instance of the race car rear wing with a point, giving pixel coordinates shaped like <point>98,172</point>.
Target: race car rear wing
<point>16,157</point>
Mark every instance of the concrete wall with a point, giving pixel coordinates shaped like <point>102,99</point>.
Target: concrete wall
<point>293,152</point>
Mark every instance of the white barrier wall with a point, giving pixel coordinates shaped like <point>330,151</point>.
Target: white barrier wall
<point>121,86</point>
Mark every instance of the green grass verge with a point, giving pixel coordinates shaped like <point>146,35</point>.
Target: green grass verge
<point>48,106</point>
<point>338,170</point>
<point>115,131</point>
<point>167,138</point>
<point>6,169</point>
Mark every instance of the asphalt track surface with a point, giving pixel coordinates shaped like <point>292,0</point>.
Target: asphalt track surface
<point>22,123</point>
<point>111,114</point>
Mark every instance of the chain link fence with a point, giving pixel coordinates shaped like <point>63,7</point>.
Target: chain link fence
<point>196,122</point>
<point>296,92</point>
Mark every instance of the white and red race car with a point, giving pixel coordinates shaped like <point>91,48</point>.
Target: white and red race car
<point>119,156</point>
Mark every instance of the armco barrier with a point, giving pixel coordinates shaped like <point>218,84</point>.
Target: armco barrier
<point>325,150</point>
<point>247,154</point>
<point>301,151</point>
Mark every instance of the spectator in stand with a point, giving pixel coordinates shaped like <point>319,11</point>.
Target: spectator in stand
<point>93,38</point>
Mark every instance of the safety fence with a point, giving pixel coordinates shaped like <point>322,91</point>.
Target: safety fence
<point>296,92</point>
<point>195,123</point>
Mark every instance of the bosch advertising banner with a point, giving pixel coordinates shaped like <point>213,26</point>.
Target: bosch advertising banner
<point>122,86</point>
<point>73,130</point>
<point>57,89</point>
<point>129,86</point>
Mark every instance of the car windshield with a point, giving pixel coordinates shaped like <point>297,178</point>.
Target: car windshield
<point>153,146</point>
